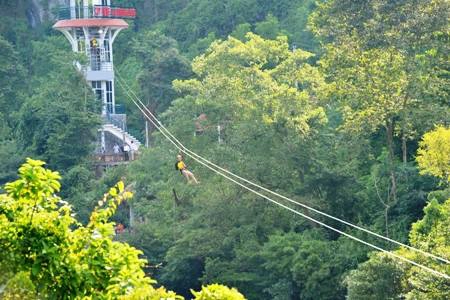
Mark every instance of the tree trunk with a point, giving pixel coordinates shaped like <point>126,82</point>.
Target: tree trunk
<point>155,12</point>
<point>404,129</point>
<point>175,198</point>
<point>386,214</point>
<point>390,144</point>
<point>152,108</point>
<point>404,149</point>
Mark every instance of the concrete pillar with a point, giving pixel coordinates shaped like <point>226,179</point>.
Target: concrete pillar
<point>131,215</point>
<point>104,99</point>
<point>73,14</point>
<point>103,142</point>
<point>85,9</point>
<point>113,97</point>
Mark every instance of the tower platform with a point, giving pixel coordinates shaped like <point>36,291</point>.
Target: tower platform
<point>94,22</point>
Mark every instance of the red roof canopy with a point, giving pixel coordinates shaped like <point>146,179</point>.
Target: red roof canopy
<point>91,23</point>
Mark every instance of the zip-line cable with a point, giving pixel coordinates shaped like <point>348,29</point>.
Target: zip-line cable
<point>280,204</point>
<point>275,193</point>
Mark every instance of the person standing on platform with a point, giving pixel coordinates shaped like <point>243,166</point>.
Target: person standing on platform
<point>116,149</point>
<point>126,152</point>
<point>133,149</point>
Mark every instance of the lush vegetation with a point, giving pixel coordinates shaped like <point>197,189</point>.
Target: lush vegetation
<point>44,257</point>
<point>342,105</point>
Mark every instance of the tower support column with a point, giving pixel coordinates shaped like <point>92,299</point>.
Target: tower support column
<point>102,140</point>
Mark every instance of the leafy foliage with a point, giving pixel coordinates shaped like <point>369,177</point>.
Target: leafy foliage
<point>433,155</point>
<point>48,254</point>
<point>40,237</point>
<point>162,63</point>
<point>258,79</point>
<point>391,279</point>
<point>378,278</point>
<point>217,292</point>
<point>336,128</point>
<point>431,234</point>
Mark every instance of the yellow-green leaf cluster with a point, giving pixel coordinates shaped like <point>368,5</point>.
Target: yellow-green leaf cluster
<point>256,80</point>
<point>370,84</point>
<point>433,155</point>
<point>40,237</point>
<point>46,253</point>
<point>217,292</point>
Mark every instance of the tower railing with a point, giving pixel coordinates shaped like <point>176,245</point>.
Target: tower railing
<point>117,119</point>
<point>94,11</point>
<point>98,59</point>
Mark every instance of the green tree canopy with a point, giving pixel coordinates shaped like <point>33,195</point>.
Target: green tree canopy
<point>217,292</point>
<point>391,278</point>
<point>59,121</point>
<point>259,80</point>
<point>47,253</point>
<point>433,155</point>
<point>40,236</point>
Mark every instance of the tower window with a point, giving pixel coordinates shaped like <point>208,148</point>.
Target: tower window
<point>107,50</point>
<point>109,97</point>
<point>97,87</point>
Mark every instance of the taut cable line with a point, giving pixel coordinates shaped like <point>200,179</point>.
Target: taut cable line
<point>166,133</point>
<point>180,145</point>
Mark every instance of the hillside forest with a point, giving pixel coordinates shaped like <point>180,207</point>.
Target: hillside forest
<point>340,105</point>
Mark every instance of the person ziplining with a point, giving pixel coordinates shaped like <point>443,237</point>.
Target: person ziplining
<point>181,166</point>
<point>238,180</point>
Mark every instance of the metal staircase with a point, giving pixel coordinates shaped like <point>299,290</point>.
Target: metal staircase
<point>105,158</point>
<point>121,134</point>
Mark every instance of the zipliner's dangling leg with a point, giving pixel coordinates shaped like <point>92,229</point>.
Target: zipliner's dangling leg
<point>189,176</point>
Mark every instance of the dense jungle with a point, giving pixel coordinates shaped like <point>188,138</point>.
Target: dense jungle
<point>340,105</point>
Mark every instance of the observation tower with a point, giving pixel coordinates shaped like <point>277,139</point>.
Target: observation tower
<point>91,26</point>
